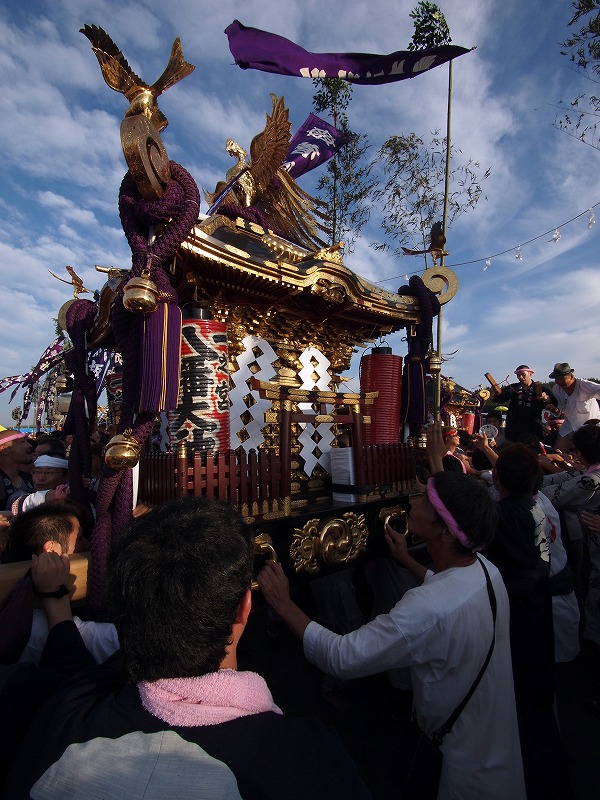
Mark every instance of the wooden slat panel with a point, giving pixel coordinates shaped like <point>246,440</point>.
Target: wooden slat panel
<point>244,492</point>
<point>253,475</point>
<point>223,475</point>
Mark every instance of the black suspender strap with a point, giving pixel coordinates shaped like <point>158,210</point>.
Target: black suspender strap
<point>447,726</point>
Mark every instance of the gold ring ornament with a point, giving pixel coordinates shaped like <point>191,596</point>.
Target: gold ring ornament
<point>442,282</point>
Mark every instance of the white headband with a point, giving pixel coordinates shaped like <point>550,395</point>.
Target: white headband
<point>51,461</point>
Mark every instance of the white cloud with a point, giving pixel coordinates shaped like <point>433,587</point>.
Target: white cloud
<point>62,161</point>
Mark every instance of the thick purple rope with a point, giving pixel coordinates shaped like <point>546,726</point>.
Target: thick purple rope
<point>80,318</point>
<point>178,208</point>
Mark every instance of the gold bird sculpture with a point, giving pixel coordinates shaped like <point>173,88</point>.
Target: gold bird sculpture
<point>120,77</point>
<point>76,282</point>
<point>265,185</point>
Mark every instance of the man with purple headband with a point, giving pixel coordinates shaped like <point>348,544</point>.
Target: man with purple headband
<point>442,630</point>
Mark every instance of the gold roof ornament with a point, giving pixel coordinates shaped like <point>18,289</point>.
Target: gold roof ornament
<point>264,185</point>
<point>143,148</point>
<point>75,282</point>
<point>119,76</point>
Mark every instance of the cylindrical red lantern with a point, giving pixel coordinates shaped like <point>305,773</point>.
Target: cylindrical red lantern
<point>381,371</point>
<point>202,415</point>
<point>468,421</point>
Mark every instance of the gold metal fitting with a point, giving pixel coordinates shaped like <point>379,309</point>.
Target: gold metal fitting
<point>123,451</point>
<point>140,295</point>
<point>434,364</point>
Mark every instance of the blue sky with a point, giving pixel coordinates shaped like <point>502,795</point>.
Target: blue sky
<point>62,163</point>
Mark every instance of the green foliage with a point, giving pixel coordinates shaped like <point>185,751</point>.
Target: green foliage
<point>584,45</point>
<point>346,185</point>
<point>578,116</point>
<point>332,96</point>
<point>413,183</point>
<point>413,191</point>
<point>431,28</point>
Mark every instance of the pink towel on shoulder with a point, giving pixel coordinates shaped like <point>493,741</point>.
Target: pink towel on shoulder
<point>207,700</point>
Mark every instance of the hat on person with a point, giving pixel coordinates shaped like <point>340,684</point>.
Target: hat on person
<point>561,369</point>
<point>51,461</point>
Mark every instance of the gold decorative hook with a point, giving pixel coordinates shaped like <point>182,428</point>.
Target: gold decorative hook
<point>263,545</point>
<point>395,514</point>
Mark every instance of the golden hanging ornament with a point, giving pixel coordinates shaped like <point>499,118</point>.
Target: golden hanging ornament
<point>140,294</point>
<point>123,451</point>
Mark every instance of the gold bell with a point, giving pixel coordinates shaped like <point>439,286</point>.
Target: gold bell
<point>123,451</point>
<point>435,364</point>
<point>140,295</point>
<point>64,383</point>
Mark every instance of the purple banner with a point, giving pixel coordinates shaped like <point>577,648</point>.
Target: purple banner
<point>42,406</point>
<point>51,356</point>
<point>268,52</point>
<point>99,361</point>
<point>6,383</point>
<point>314,143</point>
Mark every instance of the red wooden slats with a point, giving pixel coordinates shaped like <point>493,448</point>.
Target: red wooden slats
<point>233,472</point>
<point>253,476</point>
<point>222,475</point>
<point>198,475</point>
<point>210,476</point>
<point>244,491</point>
<point>263,477</point>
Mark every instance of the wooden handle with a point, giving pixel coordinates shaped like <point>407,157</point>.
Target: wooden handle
<point>493,383</point>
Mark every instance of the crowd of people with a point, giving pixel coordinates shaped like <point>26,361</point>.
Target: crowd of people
<point>148,701</point>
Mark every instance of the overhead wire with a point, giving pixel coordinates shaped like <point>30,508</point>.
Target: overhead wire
<point>503,252</point>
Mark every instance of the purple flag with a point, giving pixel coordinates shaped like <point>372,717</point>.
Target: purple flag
<point>315,142</point>
<point>51,356</point>
<point>99,361</point>
<point>6,383</point>
<point>256,49</point>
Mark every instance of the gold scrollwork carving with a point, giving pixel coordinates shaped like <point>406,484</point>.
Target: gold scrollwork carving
<point>332,292</point>
<point>146,156</point>
<point>283,248</point>
<point>263,546</point>
<point>333,542</point>
<point>395,514</point>
<point>442,282</point>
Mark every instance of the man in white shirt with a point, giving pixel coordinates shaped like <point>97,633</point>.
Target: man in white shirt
<point>442,630</point>
<point>576,399</point>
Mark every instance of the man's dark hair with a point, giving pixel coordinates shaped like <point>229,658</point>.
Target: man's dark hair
<point>49,522</point>
<point>470,505</point>
<point>494,415</point>
<point>587,441</point>
<point>56,447</point>
<point>479,460</point>
<point>517,468</point>
<point>176,579</point>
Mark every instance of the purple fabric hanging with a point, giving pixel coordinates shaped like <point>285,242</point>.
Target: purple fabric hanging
<point>268,52</point>
<point>314,143</point>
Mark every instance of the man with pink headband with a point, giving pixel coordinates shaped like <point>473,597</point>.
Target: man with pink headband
<point>526,400</point>
<point>442,630</point>
<point>16,456</point>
